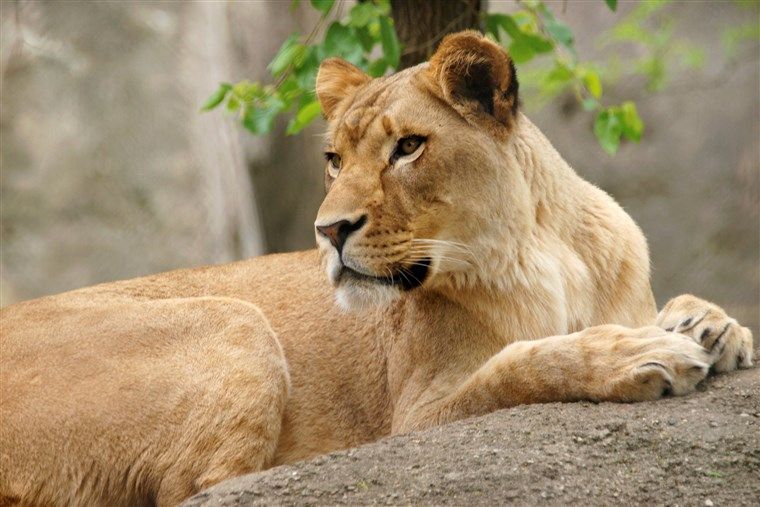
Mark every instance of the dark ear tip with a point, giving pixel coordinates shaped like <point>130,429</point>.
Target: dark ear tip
<point>460,51</point>
<point>472,69</point>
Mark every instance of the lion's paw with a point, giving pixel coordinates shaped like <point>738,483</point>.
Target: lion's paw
<point>708,325</point>
<point>643,364</point>
<point>666,364</point>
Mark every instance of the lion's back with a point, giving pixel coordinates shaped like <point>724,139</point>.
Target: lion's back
<point>126,389</point>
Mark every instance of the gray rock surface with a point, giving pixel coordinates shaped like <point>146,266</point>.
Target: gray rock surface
<point>702,449</point>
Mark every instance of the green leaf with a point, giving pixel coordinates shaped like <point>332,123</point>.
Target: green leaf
<point>561,32</point>
<point>492,26</point>
<point>362,13</point>
<point>633,127</point>
<point>290,53</point>
<point>322,6</point>
<point>306,73</point>
<point>520,51</point>
<point>377,68</point>
<point>303,117</point>
<point>593,83</point>
<point>246,91</point>
<point>509,25</point>
<point>590,104</point>
<point>389,40</point>
<point>288,91</point>
<point>233,104</point>
<point>628,31</point>
<point>559,75</point>
<point>608,130</point>
<point>217,97</point>
<point>384,7</point>
<point>654,69</point>
<point>259,120</point>
<point>523,43</point>
<point>365,37</point>
<point>526,21</point>
<point>537,43</point>
<point>338,40</point>
<point>612,4</point>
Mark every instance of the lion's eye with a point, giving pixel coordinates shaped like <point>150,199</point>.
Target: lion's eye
<point>407,146</point>
<point>333,163</point>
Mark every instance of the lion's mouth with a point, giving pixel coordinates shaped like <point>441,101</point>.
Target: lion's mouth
<point>405,278</point>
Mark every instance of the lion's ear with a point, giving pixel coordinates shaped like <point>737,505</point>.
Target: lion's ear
<point>336,80</point>
<point>476,75</point>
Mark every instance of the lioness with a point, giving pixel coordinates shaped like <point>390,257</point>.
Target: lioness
<point>479,259</point>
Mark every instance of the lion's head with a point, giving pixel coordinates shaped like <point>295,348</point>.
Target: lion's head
<point>418,191</point>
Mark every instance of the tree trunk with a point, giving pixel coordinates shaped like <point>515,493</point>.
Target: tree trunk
<point>421,24</point>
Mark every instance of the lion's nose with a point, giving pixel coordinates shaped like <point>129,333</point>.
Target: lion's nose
<point>339,231</point>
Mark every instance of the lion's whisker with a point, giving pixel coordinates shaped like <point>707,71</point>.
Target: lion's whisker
<point>441,257</point>
<point>451,254</point>
<point>449,245</point>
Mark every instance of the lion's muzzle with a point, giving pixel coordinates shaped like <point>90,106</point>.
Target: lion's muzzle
<point>405,277</point>
<point>338,232</point>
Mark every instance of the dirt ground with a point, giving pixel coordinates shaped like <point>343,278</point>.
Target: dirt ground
<point>702,449</point>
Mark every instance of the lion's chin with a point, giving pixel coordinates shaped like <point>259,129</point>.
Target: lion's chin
<point>361,295</point>
<point>358,291</point>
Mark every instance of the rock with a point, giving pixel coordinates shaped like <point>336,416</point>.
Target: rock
<point>546,464</point>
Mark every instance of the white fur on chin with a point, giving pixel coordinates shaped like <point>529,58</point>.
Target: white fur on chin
<point>358,297</point>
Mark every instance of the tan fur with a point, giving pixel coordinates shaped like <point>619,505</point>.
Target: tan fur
<point>145,391</point>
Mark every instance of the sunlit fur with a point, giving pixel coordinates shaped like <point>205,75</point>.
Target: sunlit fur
<point>145,391</point>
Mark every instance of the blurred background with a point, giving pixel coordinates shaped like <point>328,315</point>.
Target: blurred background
<point>110,171</point>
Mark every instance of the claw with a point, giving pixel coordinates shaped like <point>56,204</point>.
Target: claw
<point>719,343</point>
<point>702,368</point>
<point>725,330</point>
<point>653,365</point>
<point>688,321</point>
<point>718,346</point>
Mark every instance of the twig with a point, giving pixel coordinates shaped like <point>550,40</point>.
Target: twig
<point>309,39</point>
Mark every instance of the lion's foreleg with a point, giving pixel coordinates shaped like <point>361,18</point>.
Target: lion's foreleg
<point>610,363</point>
